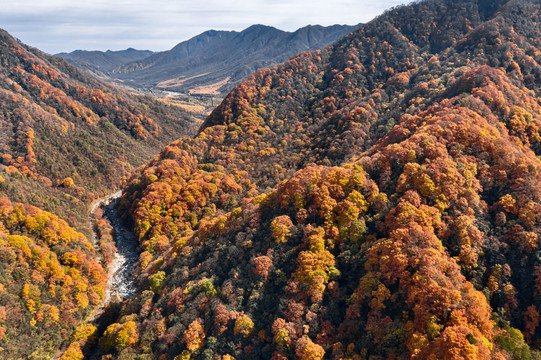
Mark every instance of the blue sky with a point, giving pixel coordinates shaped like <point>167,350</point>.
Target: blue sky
<point>66,25</point>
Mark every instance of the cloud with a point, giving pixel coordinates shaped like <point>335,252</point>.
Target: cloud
<point>67,25</point>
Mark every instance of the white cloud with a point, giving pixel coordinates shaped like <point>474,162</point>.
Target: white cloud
<point>66,25</point>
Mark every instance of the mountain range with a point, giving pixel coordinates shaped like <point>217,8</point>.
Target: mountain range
<point>376,199</point>
<point>210,63</point>
<point>101,62</point>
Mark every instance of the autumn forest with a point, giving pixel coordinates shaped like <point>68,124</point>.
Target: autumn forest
<point>376,199</point>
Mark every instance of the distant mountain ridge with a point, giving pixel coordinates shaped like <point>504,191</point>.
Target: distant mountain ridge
<point>104,62</point>
<point>214,61</point>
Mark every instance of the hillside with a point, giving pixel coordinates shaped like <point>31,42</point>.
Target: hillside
<point>211,61</point>
<point>50,282</point>
<point>66,138</point>
<point>378,199</point>
<point>101,62</point>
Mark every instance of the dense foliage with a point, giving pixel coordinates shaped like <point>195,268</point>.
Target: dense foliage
<point>379,199</point>
<point>50,281</point>
<point>65,137</point>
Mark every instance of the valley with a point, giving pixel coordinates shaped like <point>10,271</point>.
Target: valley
<point>67,139</point>
<point>376,198</point>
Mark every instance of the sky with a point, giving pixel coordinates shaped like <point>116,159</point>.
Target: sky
<point>57,26</point>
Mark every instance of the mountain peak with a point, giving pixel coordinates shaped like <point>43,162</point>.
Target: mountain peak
<point>260,27</point>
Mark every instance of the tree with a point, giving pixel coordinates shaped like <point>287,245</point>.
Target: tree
<point>73,352</point>
<point>306,349</point>
<point>120,336</point>
<point>280,227</point>
<point>156,281</point>
<point>194,335</point>
<point>244,325</point>
<point>68,182</point>
<point>262,264</point>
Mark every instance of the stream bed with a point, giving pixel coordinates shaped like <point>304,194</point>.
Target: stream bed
<point>121,280</point>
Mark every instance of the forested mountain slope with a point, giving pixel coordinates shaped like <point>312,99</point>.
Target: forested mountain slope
<point>379,199</point>
<point>65,137</point>
<point>50,281</point>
